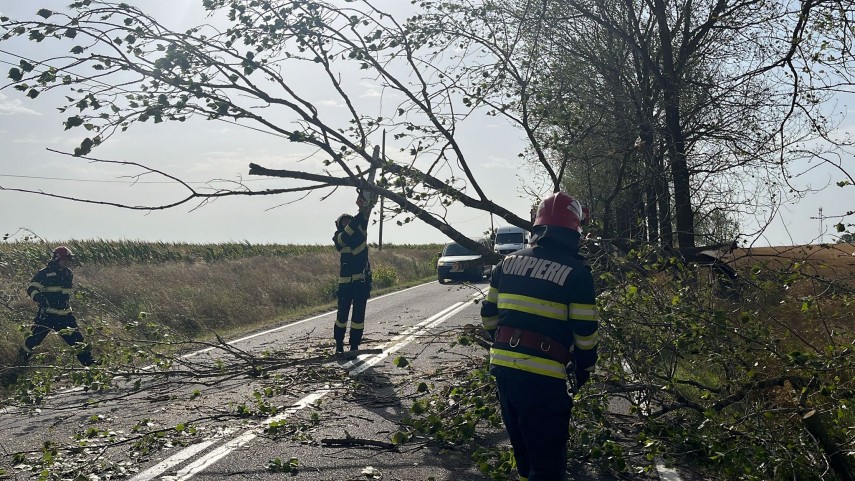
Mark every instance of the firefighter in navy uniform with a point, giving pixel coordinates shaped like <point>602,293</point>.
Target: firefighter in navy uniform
<point>354,281</point>
<point>51,289</point>
<point>541,313</point>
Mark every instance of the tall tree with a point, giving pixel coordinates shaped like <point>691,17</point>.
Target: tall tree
<point>695,91</point>
<point>714,90</point>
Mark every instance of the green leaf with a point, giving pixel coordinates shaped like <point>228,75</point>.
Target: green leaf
<point>44,13</point>
<point>399,438</point>
<point>72,122</point>
<point>85,147</point>
<point>15,74</point>
<point>401,362</point>
<point>77,50</point>
<point>33,93</point>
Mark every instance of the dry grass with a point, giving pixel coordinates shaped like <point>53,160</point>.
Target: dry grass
<point>808,289</point>
<point>194,299</point>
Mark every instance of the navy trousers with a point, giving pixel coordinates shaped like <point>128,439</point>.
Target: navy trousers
<point>536,413</point>
<point>42,327</point>
<point>353,295</point>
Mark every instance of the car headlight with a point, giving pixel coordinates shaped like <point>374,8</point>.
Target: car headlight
<point>443,263</point>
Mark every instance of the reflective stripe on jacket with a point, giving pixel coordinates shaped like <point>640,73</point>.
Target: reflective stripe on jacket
<point>548,291</point>
<point>352,244</point>
<point>54,285</point>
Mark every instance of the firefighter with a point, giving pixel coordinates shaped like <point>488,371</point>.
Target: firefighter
<point>540,312</point>
<point>51,289</point>
<point>354,282</point>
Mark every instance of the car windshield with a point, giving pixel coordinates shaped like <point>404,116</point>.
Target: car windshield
<point>510,238</point>
<point>455,249</point>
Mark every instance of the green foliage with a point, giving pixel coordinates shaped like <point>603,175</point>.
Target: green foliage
<point>277,465</point>
<point>451,415</point>
<point>384,276</point>
<point>723,370</point>
<point>497,463</point>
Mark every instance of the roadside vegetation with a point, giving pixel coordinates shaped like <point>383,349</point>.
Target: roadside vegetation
<point>744,379</point>
<point>736,379</point>
<point>128,289</point>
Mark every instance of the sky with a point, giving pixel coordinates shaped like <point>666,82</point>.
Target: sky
<point>202,151</point>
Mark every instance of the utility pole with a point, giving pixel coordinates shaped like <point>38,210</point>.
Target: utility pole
<point>383,159</point>
<point>821,219</point>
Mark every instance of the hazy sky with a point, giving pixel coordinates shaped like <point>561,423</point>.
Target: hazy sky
<point>200,151</point>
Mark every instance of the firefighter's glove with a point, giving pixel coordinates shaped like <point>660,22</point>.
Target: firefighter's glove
<point>39,299</point>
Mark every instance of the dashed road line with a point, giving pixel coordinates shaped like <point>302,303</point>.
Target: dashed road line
<point>354,367</point>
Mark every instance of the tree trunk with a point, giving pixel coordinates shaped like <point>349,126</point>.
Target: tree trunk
<point>670,82</point>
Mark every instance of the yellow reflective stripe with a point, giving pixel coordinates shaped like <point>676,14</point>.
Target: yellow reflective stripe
<point>533,305</point>
<point>583,312</point>
<point>493,295</point>
<point>490,323</point>
<point>523,478</point>
<point>340,238</point>
<point>527,362</point>
<point>358,249</point>
<point>57,312</point>
<point>355,277</point>
<point>37,285</point>
<point>348,229</point>
<point>341,324</point>
<point>359,326</point>
<point>586,343</point>
<point>52,289</point>
<point>68,291</point>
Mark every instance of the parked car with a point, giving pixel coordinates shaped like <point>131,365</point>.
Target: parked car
<point>460,263</point>
<point>509,239</point>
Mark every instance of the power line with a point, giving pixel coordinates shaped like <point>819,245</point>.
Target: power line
<point>103,181</point>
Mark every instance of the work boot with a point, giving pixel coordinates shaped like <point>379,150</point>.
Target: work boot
<point>354,347</point>
<point>339,347</point>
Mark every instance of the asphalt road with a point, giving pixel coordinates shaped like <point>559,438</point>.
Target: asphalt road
<point>195,434</point>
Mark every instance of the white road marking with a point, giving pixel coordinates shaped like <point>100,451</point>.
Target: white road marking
<point>286,326</point>
<point>196,467</point>
<point>242,339</point>
<point>175,460</point>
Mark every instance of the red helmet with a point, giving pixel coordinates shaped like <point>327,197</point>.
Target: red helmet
<point>560,210</point>
<point>62,252</point>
